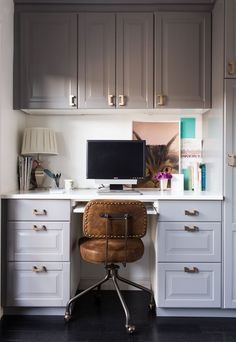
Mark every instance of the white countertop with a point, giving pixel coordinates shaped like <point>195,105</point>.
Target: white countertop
<point>145,195</point>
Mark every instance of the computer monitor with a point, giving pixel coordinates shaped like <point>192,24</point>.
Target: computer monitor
<point>116,162</point>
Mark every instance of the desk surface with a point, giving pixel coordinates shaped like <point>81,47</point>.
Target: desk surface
<point>146,195</point>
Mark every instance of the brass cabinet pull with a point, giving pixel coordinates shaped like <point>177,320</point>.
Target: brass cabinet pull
<point>191,229</point>
<point>39,229</point>
<point>161,100</point>
<point>191,212</point>
<point>39,269</point>
<point>39,212</point>
<point>121,100</point>
<point>231,160</point>
<point>191,270</point>
<point>231,68</point>
<point>111,100</point>
<point>72,100</point>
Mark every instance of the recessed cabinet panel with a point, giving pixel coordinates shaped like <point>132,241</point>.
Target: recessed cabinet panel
<point>185,241</point>
<point>229,204</point>
<point>96,53</point>
<point>134,60</point>
<point>38,284</point>
<point>48,63</point>
<point>42,241</point>
<point>230,39</point>
<point>183,45</point>
<point>189,285</point>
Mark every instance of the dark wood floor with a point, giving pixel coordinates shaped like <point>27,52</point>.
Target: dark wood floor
<point>103,320</point>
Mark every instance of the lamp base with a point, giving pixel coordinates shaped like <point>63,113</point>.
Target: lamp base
<point>39,176</point>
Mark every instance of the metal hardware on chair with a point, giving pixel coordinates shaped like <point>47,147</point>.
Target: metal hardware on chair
<point>231,160</point>
<point>72,100</point>
<point>39,229</point>
<point>39,212</point>
<point>39,269</point>
<point>191,229</point>
<point>231,68</point>
<point>121,100</point>
<point>161,100</point>
<point>191,212</point>
<point>111,100</point>
<point>191,270</point>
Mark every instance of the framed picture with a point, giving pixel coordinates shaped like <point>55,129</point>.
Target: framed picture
<point>162,148</point>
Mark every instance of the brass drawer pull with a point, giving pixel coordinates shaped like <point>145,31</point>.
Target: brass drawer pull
<point>231,68</point>
<point>161,100</point>
<point>121,100</point>
<point>39,229</point>
<point>39,212</point>
<point>191,212</point>
<point>191,229</point>
<point>191,270</point>
<point>111,100</point>
<point>39,269</point>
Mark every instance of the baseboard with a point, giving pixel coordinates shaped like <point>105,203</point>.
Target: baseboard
<point>56,311</point>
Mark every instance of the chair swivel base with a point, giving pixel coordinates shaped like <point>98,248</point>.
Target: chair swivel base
<point>112,273</point>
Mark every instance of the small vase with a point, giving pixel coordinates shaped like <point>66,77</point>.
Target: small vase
<point>163,184</point>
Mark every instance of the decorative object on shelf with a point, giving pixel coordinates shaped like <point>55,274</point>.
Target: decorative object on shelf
<point>162,148</point>
<point>163,178</point>
<point>25,165</point>
<point>36,141</point>
<point>54,176</point>
<point>68,184</point>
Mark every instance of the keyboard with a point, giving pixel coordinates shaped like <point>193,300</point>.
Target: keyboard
<point>118,192</point>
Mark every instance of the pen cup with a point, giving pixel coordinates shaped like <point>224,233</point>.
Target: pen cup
<point>68,184</point>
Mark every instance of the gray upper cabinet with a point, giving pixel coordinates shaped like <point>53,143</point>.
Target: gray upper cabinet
<point>134,77</point>
<point>96,60</point>
<point>230,39</point>
<point>48,60</point>
<point>182,60</point>
<point>115,60</point>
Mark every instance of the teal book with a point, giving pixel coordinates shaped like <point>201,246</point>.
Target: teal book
<point>203,169</point>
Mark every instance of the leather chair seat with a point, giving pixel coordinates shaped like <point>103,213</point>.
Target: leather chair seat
<point>94,250</point>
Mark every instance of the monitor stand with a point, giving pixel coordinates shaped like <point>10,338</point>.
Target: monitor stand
<point>118,189</point>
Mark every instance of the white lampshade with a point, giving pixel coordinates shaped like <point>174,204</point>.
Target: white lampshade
<point>39,140</point>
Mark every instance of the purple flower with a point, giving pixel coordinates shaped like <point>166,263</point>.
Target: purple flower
<point>162,175</point>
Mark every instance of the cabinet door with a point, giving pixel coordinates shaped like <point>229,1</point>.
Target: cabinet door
<point>96,53</point>
<point>183,67</point>
<point>134,60</point>
<point>229,202</point>
<point>48,75</point>
<point>230,39</point>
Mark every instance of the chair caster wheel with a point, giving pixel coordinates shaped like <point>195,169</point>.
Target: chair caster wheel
<point>130,329</point>
<point>67,317</point>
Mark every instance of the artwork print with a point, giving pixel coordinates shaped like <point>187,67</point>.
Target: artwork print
<point>162,148</point>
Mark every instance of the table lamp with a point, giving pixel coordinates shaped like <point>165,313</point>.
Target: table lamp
<point>39,140</point>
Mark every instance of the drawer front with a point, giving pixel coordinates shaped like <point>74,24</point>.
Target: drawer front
<point>188,241</point>
<point>46,288</point>
<point>180,289</point>
<point>42,241</point>
<point>38,210</point>
<point>190,211</point>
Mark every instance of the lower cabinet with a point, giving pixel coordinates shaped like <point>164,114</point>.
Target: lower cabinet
<point>39,256</point>
<point>189,254</point>
<point>38,284</point>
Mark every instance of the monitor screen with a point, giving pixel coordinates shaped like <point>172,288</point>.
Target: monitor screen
<point>115,159</point>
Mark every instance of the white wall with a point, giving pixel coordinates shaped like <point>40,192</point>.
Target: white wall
<point>11,122</point>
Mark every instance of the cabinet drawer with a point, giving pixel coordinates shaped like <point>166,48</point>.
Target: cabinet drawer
<point>188,241</point>
<point>190,211</point>
<point>38,210</point>
<point>180,289</point>
<point>47,288</point>
<point>42,241</point>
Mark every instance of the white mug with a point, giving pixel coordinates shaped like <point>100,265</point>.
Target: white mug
<point>68,184</point>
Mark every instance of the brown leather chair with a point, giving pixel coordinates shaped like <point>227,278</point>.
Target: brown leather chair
<point>113,230</point>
